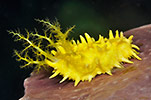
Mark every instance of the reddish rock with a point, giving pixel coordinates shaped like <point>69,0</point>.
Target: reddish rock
<point>131,83</point>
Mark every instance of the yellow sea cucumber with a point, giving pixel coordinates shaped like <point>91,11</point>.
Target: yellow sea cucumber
<point>76,60</point>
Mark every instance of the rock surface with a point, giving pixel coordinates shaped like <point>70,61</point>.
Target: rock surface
<point>130,83</point>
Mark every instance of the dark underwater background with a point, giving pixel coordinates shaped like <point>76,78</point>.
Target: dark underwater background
<point>91,16</point>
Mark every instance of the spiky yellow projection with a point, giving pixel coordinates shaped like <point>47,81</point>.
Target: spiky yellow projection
<point>76,60</point>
